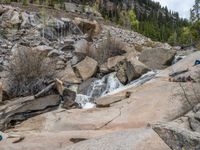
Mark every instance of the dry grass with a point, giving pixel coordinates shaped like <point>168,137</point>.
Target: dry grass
<point>109,48</point>
<point>28,72</point>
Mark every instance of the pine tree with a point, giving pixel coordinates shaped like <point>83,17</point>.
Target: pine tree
<point>195,12</point>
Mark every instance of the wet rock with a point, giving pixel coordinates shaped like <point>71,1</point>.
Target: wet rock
<point>157,58</point>
<point>86,68</point>
<point>178,138</point>
<point>69,99</point>
<point>84,87</point>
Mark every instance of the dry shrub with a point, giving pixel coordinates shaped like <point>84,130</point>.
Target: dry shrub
<point>109,48</point>
<point>28,72</point>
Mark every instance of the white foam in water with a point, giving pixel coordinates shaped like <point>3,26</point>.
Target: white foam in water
<point>82,100</point>
<point>112,84</point>
<point>109,85</point>
<point>177,58</point>
<point>144,78</point>
<point>88,106</point>
<point>98,88</point>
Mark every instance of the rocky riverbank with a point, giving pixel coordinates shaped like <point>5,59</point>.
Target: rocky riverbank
<point>119,119</point>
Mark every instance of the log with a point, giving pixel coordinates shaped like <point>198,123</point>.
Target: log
<point>45,91</point>
<point>20,109</point>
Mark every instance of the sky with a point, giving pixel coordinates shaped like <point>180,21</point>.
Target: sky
<point>181,6</point>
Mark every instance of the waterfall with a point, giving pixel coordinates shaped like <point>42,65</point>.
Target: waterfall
<point>97,89</point>
<point>143,79</point>
<point>177,58</point>
<point>109,85</point>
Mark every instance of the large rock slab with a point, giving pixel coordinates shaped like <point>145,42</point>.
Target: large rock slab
<point>137,139</point>
<point>157,58</point>
<point>86,68</point>
<point>113,61</point>
<point>108,100</point>
<point>130,70</point>
<point>178,138</point>
<point>84,87</point>
<point>184,64</point>
<point>68,75</point>
<point>22,108</point>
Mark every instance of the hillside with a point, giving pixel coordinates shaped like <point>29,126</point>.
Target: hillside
<point>154,21</point>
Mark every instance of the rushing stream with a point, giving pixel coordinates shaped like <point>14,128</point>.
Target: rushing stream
<point>109,84</point>
<point>97,89</point>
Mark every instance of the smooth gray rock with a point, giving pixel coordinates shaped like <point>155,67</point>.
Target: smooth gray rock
<point>135,139</point>
<point>178,138</point>
<point>157,58</point>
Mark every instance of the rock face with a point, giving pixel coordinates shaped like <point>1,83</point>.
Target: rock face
<point>157,58</point>
<point>86,68</point>
<point>178,138</point>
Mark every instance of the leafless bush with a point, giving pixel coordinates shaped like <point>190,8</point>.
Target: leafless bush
<point>28,72</point>
<point>109,48</point>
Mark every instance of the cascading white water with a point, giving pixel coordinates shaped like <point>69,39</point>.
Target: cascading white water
<point>177,58</point>
<point>97,89</point>
<point>109,85</point>
<point>144,78</point>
